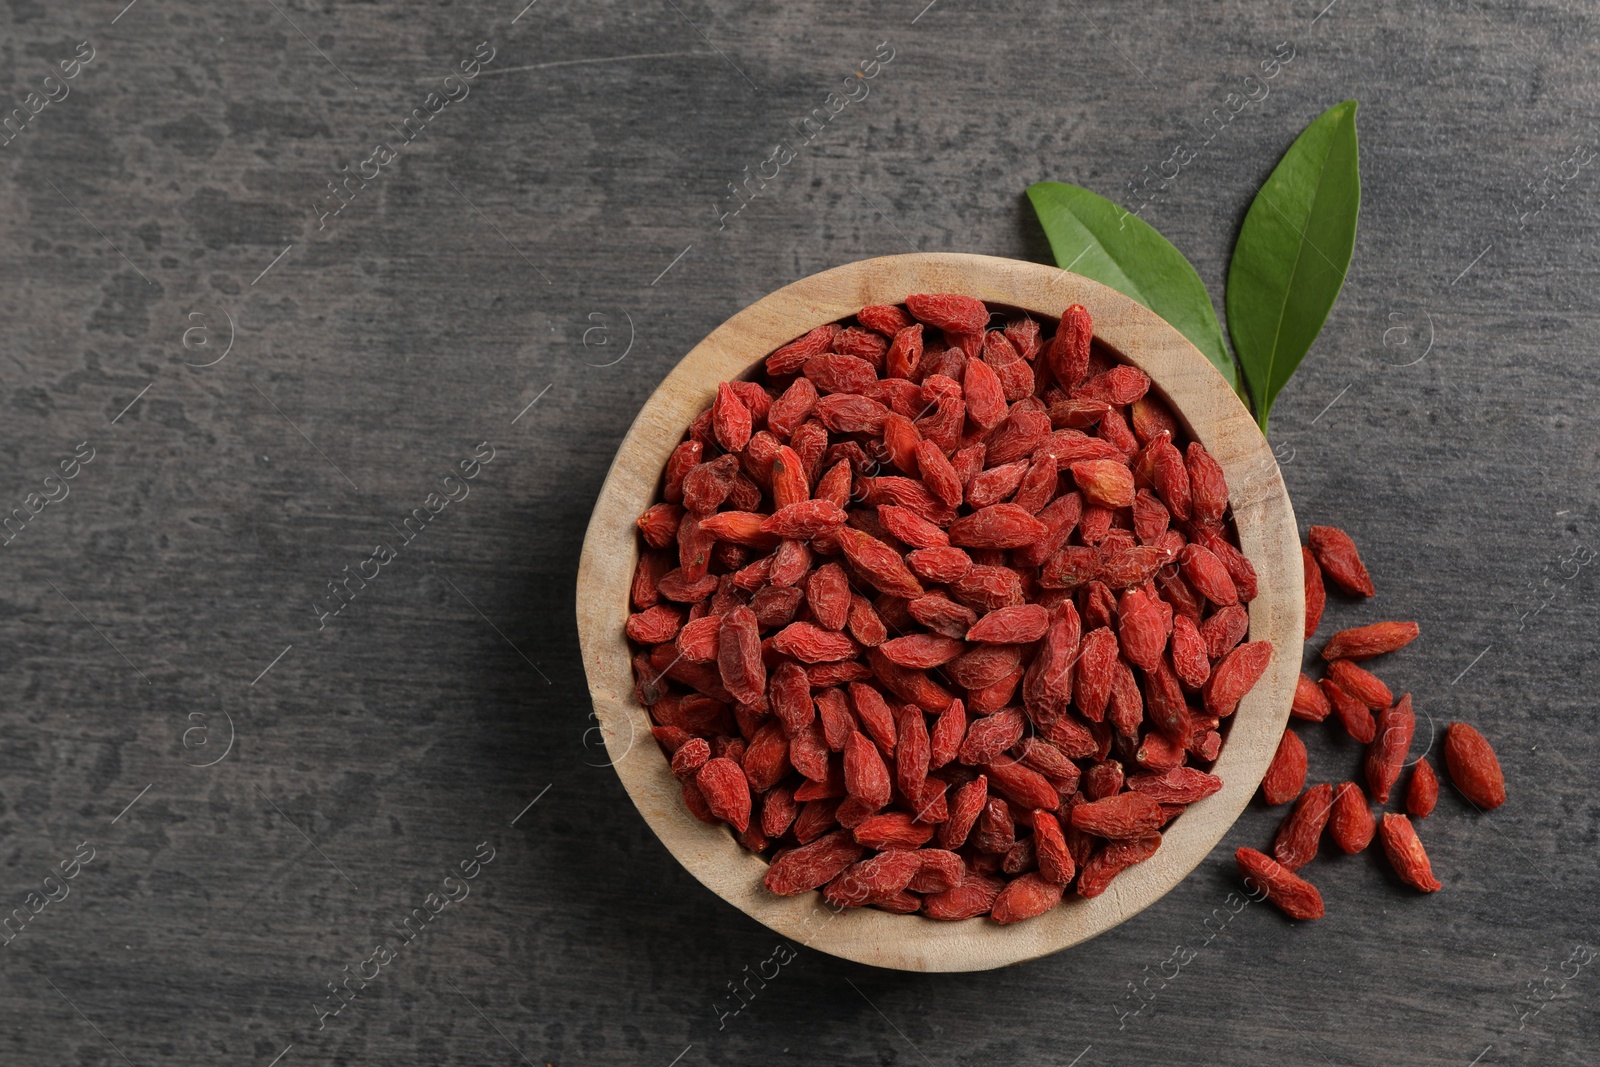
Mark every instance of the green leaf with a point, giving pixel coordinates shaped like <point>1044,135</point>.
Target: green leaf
<point>1292,254</point>
<point>1092,236</point>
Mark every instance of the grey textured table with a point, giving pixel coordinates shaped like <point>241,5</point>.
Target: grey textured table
<point>252,792</point>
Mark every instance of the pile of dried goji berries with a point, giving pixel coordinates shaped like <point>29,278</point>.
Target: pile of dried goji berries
<point>1354,694</point>
<point>943,618</point>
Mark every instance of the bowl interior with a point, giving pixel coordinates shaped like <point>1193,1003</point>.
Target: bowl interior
<point>1211,413</point>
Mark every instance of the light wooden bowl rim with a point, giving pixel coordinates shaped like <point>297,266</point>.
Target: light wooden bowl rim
<point>1214,416</point>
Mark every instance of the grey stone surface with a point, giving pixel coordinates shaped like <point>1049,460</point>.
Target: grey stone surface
<point>163,615</point>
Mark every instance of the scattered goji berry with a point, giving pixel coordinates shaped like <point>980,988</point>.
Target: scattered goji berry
<point>1291,894</point>
<point>1422,792</point>
<point>1473,766</point>
<point>1337,554</point>
<point>1353,714</point>
<point>1286,775</point>
<point>1351,824</point>
<point>1301,830</point>
<point>1365,642</point>
<point>1387,753</point>
<point>1363,685</point>
<point>1310,702</point>
<point>1406,854</point>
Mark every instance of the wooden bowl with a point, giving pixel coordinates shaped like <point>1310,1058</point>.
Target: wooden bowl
<point>1213,415</point>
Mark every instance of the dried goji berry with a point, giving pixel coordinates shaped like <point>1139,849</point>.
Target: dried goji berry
<point>921,650</point>
<point>1141,629</point>
<point>886,319</point>
<point>1150,418</point>
<point>1105,482</point>
<point>1126,710</point>
<point>1363,685</point>
<point>937,473</point>
<point>865,625</point>
<point>1014,625</point>
<point>1206,574</point>
<point>1223,629</point>
<point>1291,894</point>
<point>1022,786</point>
<point>1016,377</point>
<point>949,311</point>
<point>810,643</point>
<point>1047,684</point>
<point>1353,713</point>
<point>878,563</point>
<point>654,625</point>
<point>1387,753</point>
<point>1301,830</point>
<point>1473,766</point>
<point>697,641</point>
<point>905,352</point>
<point>1068,354</point>
<point>808,518</point>
<point>1365,642</point>
<point>973,897</point>
<point>892,829</point>
<point>1103,779</point>
<point>1024,897</point>
<point>792,408</point>
<point>1019,436</point>
<point>726,791</point>
<point>991,735</point>
<point>965,807</point>
<point>1180,785</point>
<point>906,525</point>
<point>872,711</point>
<point>1189,659</point>
<point>944,740</point>
<point>939,564</point>
<point>1119,386</point>
<point>1337,554</point>
<point>866,778</point>
<point>730,419</point>
<point>828,596</point>
<point>1310,702</point>
<point>1350,823</point>
<point>1235,676</point>
<point>872,879</point>
<point>1165,706</point>
<point>690,757</point>
<point>1406,854</point>
<point>1286,775</point>
<point>996,831</point>
<point>984,394</point>
<point>1170,475</point>
<point>1126,815</point>
<point>1208,488</point>
<point>790,694</point>
<point>1050,846</point>
<point>812,865</point>
<point>1105,864</point>
<point>1422,792</point>
<point>816,817</point>
<point>1316,594</point>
